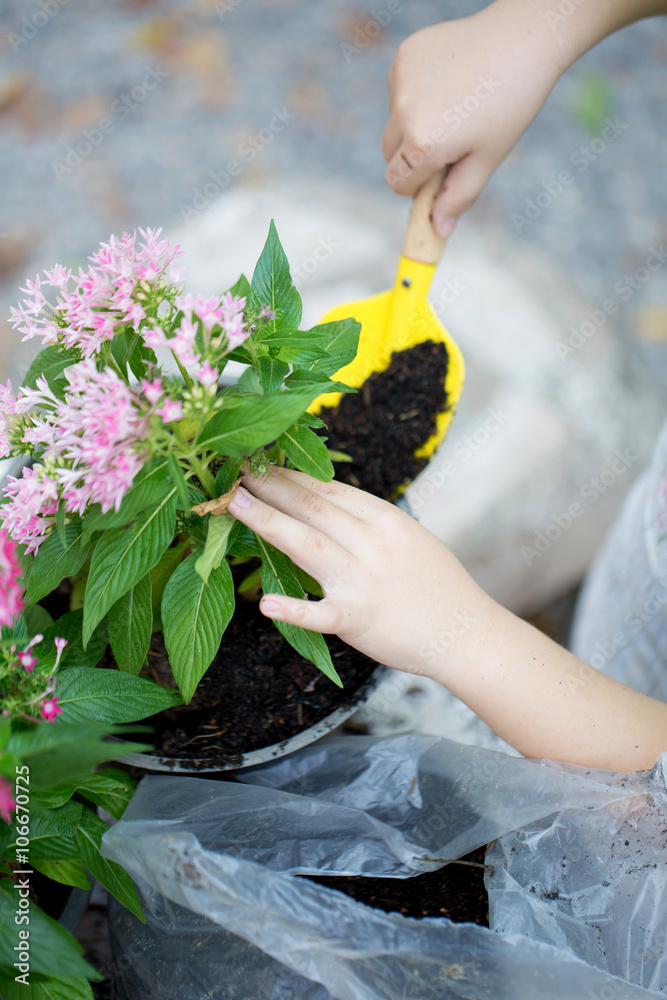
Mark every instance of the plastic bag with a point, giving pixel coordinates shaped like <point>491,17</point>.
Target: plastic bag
<point>226,918</point>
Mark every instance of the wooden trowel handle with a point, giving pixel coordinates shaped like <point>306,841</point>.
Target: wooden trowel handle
<point>421,243</point>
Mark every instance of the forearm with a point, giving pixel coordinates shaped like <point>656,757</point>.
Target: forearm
<point>547,703</point>
<point>575,26</point>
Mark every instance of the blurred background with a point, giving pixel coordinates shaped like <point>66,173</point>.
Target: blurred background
<point>209,117</point>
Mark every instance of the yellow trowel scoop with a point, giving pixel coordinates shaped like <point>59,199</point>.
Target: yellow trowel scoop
<point>401,318</point>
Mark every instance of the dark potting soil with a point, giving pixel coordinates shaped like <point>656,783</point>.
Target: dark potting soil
<point>258,691</point>
<point>455,891</point>
<point>393,414</point>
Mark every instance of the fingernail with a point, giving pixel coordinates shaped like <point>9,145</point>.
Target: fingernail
<point>268,606</point>
<point>241,498</point>
<point>444,227</point>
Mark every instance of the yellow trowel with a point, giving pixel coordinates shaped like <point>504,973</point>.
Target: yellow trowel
<point>402,318</point>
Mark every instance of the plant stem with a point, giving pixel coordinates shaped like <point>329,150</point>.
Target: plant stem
<point>205,477</point>
<point>186,377</point>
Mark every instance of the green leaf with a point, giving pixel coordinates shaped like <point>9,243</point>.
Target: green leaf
<point>227,476</point>
<point>140,358</point>
<point>178,477</point>
<point>52,833</point>
<point>51,362</point>
<point>272,284</point>
<point>342,344</point>
<point>162,572</point>
<point>69,627</point>
<point>194,616</point>
<point>150,486</point>
<point>17,630</point>
<point>37,619</point>
<point>53,951</point>
<point>278,577</point>
<point>60,753</point>
<point>109,788</point>
<point>303,378</point>
<point>272,373</point>
<point>130,626</point>
<point>241,290</point>
<point>248,383</point>
<point>110,696</point>
<point>45,987</point>
<point>253,421</point>
<point>109,873</point>
<point>307,451</point>
<point>61,515</point>
<point>217,537</point>
<point>122,557</point>
<point>65,872</point>
<point>54,561</point>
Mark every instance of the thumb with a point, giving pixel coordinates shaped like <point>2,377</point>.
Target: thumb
<point>464,182</point>
<point>318,616</point>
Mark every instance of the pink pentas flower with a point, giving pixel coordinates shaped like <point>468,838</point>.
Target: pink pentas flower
<point>7,801</point>
<point>170,411</point>
<point>153,391</point>
<point>51,709</point>
<point>207,375</point>
<point>11,603</point>
<point>27,660</point>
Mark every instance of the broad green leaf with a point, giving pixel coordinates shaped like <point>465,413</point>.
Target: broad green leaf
<point>272,284</point>
<point>217,538</point>
<point>65,872</point>
<point>53,951</point>
<point>278,577</point>
<point>342,343</point>
<point>74,655</point>
<point>53,562</point>
<point>307,451</point>
<point>122,557</point>
<point>248,383</point>
<point>61,515</point>
<point>109,873</point>
<point>303,378</point>
<point>131,625</point>
<point>52,833</point>
<point>51,362</point>
<point>60,753</point>
<point>241,289</point>
<point>140,357</point>
<point>110,788</point>
<point>150,485</point>
<point>253,421</point>
<point>243,543</point>
<point>110,696</point>
<point>296,347</point>
<point>227,476</point>
<point>17,630</point>
<point>45,987</point>
<point>272,373</point>
<point>161,573</point>
<point>178,477</point>
<point>37,619</point>
<point>194,616</point>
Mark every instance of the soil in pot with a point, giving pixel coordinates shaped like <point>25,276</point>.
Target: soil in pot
<point>257,692</point>
<point>393,414</point>
<point>455,891</point>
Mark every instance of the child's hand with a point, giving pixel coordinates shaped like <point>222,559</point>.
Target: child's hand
<point>462,93</point>
<point>392,590</point>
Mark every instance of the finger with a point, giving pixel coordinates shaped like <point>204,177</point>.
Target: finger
<point>465,180</point>
<point>318,616</point>
<point>391,139</point>
<point>354,502</point>
<point>311,549</point>
<point>412,166</point>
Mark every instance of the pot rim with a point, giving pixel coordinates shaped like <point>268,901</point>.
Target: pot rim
<point>179,765</point>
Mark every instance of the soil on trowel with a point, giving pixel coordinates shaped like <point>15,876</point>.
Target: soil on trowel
<point>393,414</point>
<point>455,891</point>
<point>258,691</point>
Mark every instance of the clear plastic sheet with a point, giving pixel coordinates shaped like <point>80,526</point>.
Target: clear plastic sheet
<point>576,885</point>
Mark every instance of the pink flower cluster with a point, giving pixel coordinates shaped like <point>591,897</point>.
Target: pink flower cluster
<point>7,801</point>
<point>11,603</point>
<point>106,296</point>
<point>90,451</point>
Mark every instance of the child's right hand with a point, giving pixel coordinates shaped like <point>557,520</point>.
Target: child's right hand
<point>462,93</point>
